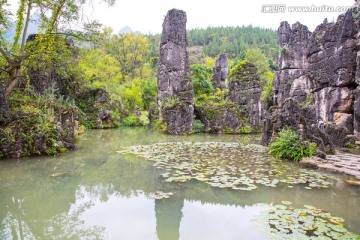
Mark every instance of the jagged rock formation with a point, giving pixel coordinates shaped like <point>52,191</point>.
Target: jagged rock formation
<point>320,69</point>
<point>290,80</point>
<point>220,72</point>
<point>4,105</point>
<point>245,90</point>
<point>242,112</point>
<point>24,135</point>
<point>175,90</point>
<point>303,120</point>
<point>100,110</point>
<point>224,117</point>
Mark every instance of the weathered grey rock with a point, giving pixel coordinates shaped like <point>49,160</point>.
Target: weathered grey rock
<point>332,53</point>
<point>293,43</point>
<point>345,120</point>
<point>175,90</point>
<point>357,112</point>
<point>290,81</point>
<point>100,110</point>
<point>4,105</point>
<point>302,120</point>
<point>339,135</point>
<point>225,117</point>
<point>221,72</point>
<point>330,100</point>
<point>321,68</point>
<point>245,90</point>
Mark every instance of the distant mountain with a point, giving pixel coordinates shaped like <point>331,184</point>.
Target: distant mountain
<point>128,29</point>
<point>10,32</point>
<point>125,30</point>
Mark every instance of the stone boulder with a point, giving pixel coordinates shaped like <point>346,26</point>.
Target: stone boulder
<point>245,90</point>
<point>175,90</point>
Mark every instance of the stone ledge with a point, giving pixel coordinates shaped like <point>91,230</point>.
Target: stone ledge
<point>340,162</point>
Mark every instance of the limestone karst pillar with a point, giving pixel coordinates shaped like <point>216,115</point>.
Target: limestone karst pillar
<point>175,89</point>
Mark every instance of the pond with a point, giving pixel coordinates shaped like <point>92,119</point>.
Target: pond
<point>172,187</point>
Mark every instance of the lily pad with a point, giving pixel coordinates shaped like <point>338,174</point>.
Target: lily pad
<point>285,222</point>
<point>226,165</point>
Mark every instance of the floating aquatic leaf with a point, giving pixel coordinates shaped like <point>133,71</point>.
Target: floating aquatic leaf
<point>226,165</point>
<point>353,182</point>
<point>61,174</point>
<point>309,207</point>
<point>161,195</point>
<point>305,223</point>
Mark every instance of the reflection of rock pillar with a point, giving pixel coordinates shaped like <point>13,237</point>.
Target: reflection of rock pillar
<point>220,71</point>
<point>175,90</point>
<point>168,214</point>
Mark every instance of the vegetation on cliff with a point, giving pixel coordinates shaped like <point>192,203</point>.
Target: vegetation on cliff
<point>96,78</point>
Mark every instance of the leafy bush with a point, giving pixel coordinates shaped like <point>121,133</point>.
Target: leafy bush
<point>246,129</point>
<point>132,95</point>
<point>267,91</point>
<point>132,120</point>
<point>160,125</point>
<point>201,78</point>
<point>198,126</point>
<point>149,91</point>
<point>289,146</point>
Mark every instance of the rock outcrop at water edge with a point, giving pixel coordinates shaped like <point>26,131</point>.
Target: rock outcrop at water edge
<point>175,89</point>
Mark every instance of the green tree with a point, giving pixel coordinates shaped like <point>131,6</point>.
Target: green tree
<point>256,57</point>
<point>130,51</point>
<point>54,16</point>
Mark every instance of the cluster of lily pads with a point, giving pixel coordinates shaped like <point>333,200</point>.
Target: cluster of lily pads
<point>226,165</point>
<point>306,223</point>
<point>161,195</point>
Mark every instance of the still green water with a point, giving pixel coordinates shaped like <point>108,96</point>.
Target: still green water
<point>97,193</point>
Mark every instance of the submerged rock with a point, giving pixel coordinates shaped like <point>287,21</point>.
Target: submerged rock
<point>175,90</point>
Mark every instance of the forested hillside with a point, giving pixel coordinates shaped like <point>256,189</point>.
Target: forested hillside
<point>234,40</point>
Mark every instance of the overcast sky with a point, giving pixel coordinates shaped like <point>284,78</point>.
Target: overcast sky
<point>146,16</point>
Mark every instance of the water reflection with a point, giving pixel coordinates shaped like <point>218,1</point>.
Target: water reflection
<point>93,193</point>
